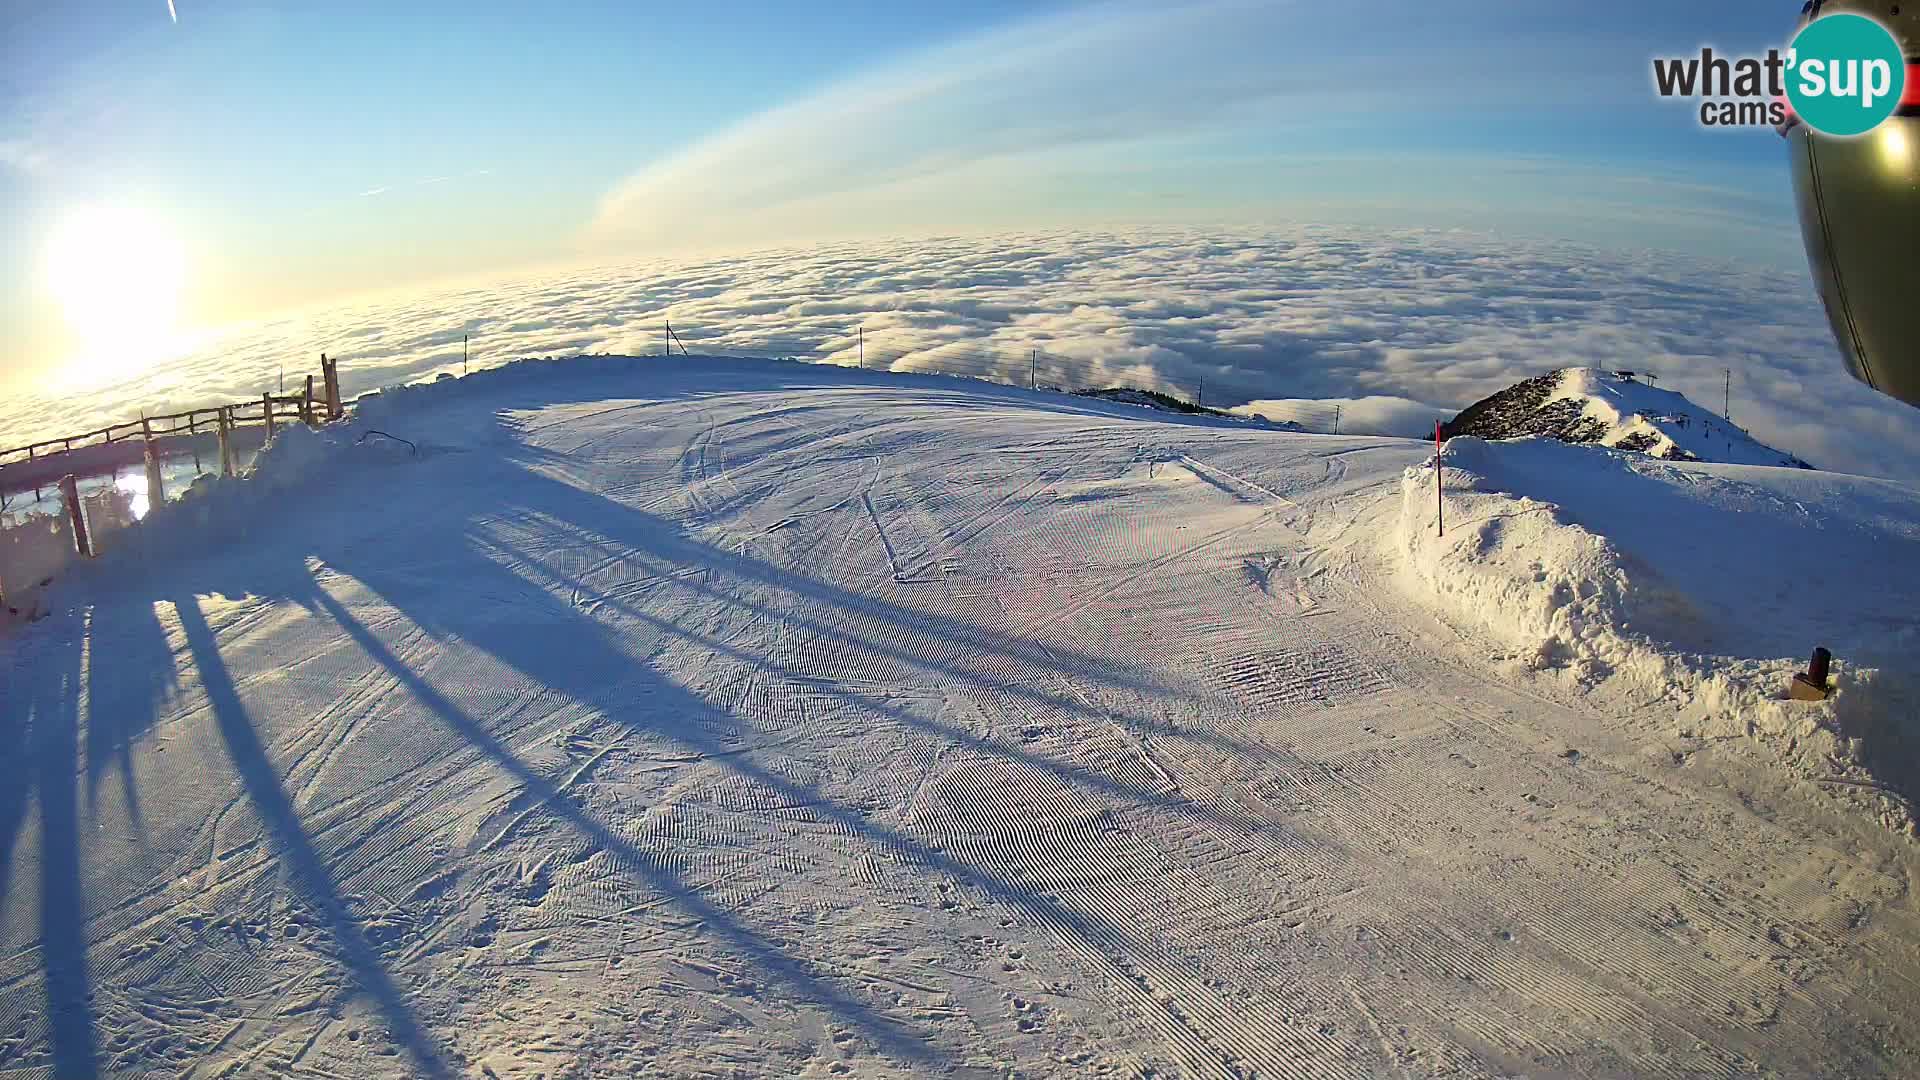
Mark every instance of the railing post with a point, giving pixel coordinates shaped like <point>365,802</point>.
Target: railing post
<point>266,405</point>
<point>156,489</point>
<point>330,375</point>
<point>306,405</point>
<point>70,491</point>
<point>226,442</point>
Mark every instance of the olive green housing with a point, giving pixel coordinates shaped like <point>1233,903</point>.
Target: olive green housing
<point>1859,201</point>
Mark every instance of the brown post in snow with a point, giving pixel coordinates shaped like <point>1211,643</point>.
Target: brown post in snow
<point>306,405</point>
<point>1439,479</point>
<point>266,404</point>
<point>330,372</point>
<point>70,492</point>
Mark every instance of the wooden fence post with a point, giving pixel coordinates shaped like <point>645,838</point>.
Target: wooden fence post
<point>266,403</point>
<point>332,368</point>
<point>306,405</point>
<point>70,491</point>
<point>226,442</point>
<point>156,489</point>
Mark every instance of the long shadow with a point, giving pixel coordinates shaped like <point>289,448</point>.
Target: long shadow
<point>131,673</point>
<point>655,875</point>
<point>662,547</point>
<point>554,643</point>
<point>261,780</point>
<point>572,654</point>
<point>569,651</point>
<point>640,531</point>
<point>46,726</point>
<point>1070,774</point>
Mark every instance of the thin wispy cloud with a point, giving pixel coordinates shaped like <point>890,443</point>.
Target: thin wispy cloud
<point>1098,91</point>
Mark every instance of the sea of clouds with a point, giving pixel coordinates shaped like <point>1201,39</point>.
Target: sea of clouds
<point>1399,326</point>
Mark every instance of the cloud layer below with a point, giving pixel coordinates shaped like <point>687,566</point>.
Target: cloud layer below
<point>1396,325</point>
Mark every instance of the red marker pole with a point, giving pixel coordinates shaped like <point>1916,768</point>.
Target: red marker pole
<point>1439,480</point>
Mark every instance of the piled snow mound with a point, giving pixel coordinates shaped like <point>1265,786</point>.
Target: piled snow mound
<point>214,510</point>
<point>1611,408</point>
<point>1704,586</point>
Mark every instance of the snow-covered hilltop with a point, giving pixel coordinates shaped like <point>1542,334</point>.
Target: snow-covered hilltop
<point>1613,409</point>
<point>702,716</point>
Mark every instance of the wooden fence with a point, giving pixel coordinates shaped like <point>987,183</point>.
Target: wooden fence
<point>44,462</point>
<point>59,461</point>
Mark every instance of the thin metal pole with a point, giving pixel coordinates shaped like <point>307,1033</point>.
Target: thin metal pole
<point>1726,409</point>
<point>463,354</point>
<point>1439,479</point>
<point>863,348</point>
<point>1033,368</point>
<point>1336,419</point>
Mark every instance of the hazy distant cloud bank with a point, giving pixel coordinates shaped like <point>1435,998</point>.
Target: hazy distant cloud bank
<point>1398,324</point>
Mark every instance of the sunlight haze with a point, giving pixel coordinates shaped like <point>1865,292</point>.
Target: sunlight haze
<point>306,152</point>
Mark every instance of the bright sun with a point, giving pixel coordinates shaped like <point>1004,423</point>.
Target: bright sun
<point>117,274</point>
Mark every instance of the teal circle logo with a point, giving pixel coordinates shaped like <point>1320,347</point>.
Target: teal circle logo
<point>1845,74</point>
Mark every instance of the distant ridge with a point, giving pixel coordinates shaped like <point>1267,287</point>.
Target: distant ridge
<point>1612,409</point>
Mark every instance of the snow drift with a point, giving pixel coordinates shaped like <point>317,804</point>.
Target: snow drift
<point>1700,586</point>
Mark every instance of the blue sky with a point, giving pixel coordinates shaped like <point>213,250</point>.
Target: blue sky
<point>302,151</point>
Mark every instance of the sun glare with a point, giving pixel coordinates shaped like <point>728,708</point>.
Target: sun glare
<point>117,274</point>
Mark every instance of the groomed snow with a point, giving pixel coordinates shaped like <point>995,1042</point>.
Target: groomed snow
<point>704,717</point>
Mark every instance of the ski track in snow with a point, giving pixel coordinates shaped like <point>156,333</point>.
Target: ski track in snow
<point>693,723</point>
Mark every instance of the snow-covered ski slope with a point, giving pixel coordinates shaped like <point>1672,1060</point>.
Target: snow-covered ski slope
<point>705,718</point>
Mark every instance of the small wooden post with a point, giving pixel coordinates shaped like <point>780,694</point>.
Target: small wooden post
<point>70,491</point>
<point>266,404</point>
<point>156,490</point>
<point>1439,479</point>
<point>863,348</point>
<point>226,442</point>
<point>1033,369</point>
<point>330,369</point>
<point>306,405</point>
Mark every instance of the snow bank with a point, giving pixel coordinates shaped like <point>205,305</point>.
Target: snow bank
<point>1703,587</point>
